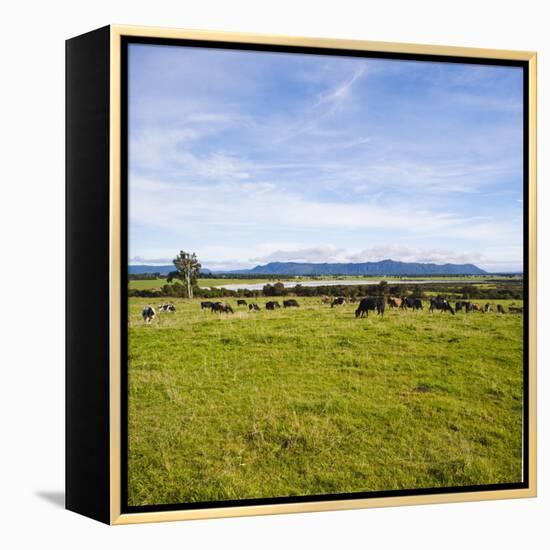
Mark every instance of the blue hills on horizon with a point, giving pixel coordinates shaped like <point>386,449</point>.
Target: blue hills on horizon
<point>381,268</point>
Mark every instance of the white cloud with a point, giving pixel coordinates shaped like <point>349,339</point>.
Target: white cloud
<point>221,258</point>
<point>243,211</point>
<point>316,254</point>
<point>139,260</point>
<point>264,203</point>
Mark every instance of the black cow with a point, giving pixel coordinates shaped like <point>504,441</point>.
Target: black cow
<point>488,308</point>
<point>366,304</point>
<point>253,307</point>
<point>290,303</point>
<point>241,302</point>
<point>206,305</point>
<point>441,303</point>
<point>272,305</point>
<point>221,307</point>
<point>340,301</point>
<point>468,307</point>
<point>412,303</point>
<point>500,309</point>
<point>148,314</point>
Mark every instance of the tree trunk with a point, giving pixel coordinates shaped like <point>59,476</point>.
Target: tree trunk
<point>189,288</point>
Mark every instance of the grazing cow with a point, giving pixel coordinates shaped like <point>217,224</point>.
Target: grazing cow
<point>167,308</point>
<point>412,303</point>
<point>459,306</point>
<point>290,303</point>
<point>488,308</point>
<point>222,307</point>
<point>272,305</point>
<point>241,302</point>
<point>340,301</point>
<point>325,299</point>
<point>477,307</point>
<point>371,304</point>
<point>148,314</point>
<point>500,309</point>
<point>253,307</point>
<point>438,302</point>
<point>515,309</point>
<point>206,305</point>
<point>394,302</point>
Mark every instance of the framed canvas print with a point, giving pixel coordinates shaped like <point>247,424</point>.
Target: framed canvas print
<point>300,274</point>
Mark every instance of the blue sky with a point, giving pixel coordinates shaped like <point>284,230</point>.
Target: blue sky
<point>251,157</point>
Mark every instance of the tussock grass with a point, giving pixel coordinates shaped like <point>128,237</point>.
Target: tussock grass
<point>311,401</point>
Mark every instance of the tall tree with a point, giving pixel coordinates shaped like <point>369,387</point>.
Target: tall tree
<point>187,270</point>
<point>383,288</point>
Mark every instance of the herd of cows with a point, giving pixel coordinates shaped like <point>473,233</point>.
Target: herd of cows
<point>365,305</point>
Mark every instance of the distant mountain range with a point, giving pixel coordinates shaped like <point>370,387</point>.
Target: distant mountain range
<point>384,267</point>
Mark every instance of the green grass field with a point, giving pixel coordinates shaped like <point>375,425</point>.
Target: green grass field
<point>311,400</point>
<point>147,284</point>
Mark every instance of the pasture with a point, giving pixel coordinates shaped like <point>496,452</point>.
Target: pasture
<point>148,284</point>
<point>206,282</point>
<point>310,400</point>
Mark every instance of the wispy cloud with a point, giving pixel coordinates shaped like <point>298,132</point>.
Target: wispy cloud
<point>334,97</point>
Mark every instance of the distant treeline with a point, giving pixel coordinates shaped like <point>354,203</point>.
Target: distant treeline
<point>144,276</point>
<point>499,291</point>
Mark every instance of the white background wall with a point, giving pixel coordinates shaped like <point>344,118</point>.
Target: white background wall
<point>32,255</point>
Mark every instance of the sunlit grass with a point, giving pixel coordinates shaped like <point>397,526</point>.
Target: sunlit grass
<point>311,400</point>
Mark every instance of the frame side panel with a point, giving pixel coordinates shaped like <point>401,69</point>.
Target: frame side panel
<point>87,275</point>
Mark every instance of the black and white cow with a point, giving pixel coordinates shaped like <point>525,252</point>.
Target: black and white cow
<point>148,314</point>
<point>167,308</point>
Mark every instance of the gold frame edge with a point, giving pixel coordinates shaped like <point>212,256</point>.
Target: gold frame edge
<point>114,281</point>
